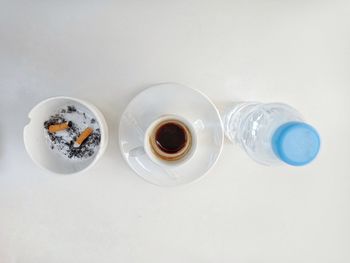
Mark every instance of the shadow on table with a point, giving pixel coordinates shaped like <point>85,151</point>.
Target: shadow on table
<point>1,145</point>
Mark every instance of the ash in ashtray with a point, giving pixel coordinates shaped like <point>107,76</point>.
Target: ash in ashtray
<point>73,133</point>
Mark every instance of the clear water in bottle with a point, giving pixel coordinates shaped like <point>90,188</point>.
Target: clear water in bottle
<point>271,133</point>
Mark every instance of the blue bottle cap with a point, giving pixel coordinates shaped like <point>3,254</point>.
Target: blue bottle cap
<point>296,143</point>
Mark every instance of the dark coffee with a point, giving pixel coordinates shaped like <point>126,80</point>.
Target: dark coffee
<point>171,137</point>
<point>171,140</point>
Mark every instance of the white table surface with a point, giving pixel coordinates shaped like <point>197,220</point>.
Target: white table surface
<point>106,52</point>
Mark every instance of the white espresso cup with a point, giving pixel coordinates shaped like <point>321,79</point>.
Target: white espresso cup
<point>170,140</point>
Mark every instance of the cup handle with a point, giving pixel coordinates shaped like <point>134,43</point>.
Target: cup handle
<point>138,151</point>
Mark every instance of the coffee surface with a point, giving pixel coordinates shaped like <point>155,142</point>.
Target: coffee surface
<point>171,137</point>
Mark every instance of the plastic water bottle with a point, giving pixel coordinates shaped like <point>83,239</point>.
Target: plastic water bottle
<point>272,133</point>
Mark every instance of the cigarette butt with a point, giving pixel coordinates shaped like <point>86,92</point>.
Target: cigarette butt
<point>59,127</point>
<point>82,137</point>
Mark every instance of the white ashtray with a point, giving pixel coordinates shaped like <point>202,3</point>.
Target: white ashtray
<point>65,135</point>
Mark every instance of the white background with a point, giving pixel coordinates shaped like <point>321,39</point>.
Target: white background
<point>297,52</point>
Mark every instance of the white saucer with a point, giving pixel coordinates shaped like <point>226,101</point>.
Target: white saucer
<point>163,99</point>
